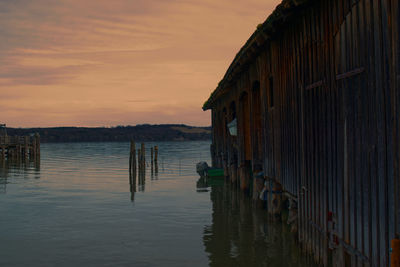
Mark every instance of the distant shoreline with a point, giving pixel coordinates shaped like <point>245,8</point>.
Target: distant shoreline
<point>143,132</point>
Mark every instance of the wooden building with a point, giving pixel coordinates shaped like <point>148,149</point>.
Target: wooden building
<point>315,96</point>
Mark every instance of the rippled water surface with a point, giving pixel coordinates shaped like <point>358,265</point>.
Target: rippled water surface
<point>77,209</point>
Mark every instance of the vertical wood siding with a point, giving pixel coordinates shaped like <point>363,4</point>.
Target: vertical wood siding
<point>326,110</point>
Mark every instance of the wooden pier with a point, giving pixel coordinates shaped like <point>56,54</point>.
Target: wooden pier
<point>20,147</point>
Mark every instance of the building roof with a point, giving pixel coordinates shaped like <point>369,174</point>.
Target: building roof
<point>250,50</point>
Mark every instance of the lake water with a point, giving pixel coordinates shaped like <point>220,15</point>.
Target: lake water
<point>77,209</point>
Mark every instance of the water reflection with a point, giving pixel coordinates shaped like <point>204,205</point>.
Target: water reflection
<point>21,166</point>
<point>80,212</point>
<point>132,185</point>
<point>202,185</point>
<point>137,179</point>
<point>243,235</point>
<point>142,181</point>
<point>154,170</point>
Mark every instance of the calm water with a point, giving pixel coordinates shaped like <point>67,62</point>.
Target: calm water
<point>77,209</point>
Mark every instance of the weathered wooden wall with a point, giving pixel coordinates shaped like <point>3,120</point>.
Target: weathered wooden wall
<point>317,107</point>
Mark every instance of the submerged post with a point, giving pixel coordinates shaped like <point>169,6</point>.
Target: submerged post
<point>132,158</point>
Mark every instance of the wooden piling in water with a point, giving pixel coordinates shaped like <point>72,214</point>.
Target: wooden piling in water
<point>132,158</point>
<point>155,154</point>
<point>26,147</point>
<point>34,149</point>
<point>143,156</point>
<point>37,140</point>
<point>139,158</point>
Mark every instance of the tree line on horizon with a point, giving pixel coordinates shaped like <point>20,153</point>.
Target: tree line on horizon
<point>143,132</point>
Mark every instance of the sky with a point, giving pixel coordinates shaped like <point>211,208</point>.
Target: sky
<point>121,62</point>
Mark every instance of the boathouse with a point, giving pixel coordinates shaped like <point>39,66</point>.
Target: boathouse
<point>312,102</point>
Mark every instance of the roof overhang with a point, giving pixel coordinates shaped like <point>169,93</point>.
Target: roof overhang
<point>254,45</point>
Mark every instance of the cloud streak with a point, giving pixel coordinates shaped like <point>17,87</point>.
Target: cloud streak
<point>73,62</point>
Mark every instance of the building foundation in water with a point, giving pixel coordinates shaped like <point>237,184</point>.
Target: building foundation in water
<point>312,100</point>
<point>20,147</point>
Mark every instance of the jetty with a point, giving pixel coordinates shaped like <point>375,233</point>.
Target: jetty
<point>18,147</point>
<point>308,114</point>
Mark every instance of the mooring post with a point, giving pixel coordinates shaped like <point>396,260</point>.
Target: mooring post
<point>132,158</point>
<point>143,154</point>
<point>139,158</point>
<point>152,161</point>
<point>37,140</point>
<point>155,154</point>
<point>19,149</point>
<point>133,149</point>
<point>26,148</point>
<point>33,154</point>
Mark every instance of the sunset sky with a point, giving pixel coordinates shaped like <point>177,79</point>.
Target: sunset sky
<point>119,62</point>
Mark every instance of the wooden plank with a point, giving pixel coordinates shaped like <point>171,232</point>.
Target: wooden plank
<point>396,105</point>
<point>388,100</point>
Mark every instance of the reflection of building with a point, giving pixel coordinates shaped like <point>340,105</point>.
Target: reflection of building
<point>241,235</point>
<point>7,166</point>
<point>315,95</point>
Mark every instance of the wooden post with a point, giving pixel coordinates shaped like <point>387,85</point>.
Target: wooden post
<point>37,137</point>
<point>143,154</point>
<point>132,170</point>
<point>142,166</point>
<point>152,162</point>
<point>19,150</point>
<point>3,152</point>
<point>139,158</point>
<point>33,154</point>
<point>6,138</point>
<point>132,158</point>
<point>26,146</point>
<point>155,154</point>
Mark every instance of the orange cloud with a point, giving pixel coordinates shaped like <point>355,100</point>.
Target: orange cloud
<point>102,63</point>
